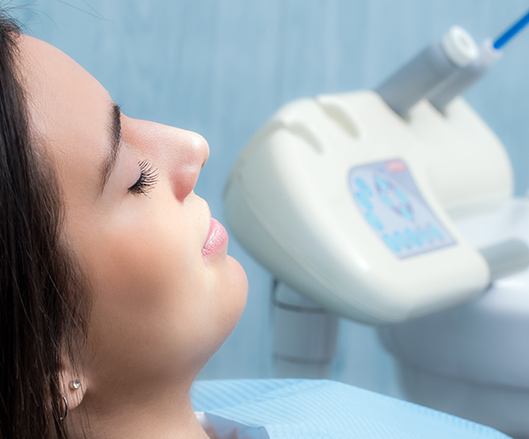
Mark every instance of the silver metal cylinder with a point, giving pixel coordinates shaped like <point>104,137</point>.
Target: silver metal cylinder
<point>417,78</point>
<point>463,78</point>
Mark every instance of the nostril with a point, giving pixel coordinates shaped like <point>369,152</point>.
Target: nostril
<point>205,161</point>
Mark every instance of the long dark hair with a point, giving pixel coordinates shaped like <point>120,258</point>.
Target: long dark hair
<point>43,306</point>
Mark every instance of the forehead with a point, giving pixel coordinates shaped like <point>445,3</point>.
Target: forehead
<point>68,109</point>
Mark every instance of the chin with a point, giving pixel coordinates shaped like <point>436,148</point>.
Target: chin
<point>212,330</point>
<point>228,312</point>
<point>232,300</point>
<point>238,288</point>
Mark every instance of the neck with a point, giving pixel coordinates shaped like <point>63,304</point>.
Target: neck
<point>165,414</point>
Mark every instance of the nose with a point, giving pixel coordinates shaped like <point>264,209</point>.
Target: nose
<point>189,158</point>
<point>178,153</point>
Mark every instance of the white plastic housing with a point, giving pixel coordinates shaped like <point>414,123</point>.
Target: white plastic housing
<point>473,360</point>
<point>288,202</point>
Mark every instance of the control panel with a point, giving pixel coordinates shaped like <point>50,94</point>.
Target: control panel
<point>392,204</point>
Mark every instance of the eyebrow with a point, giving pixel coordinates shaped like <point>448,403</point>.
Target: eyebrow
<point>115,143</point>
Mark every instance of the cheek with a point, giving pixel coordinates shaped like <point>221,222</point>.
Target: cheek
<point>142,258</point>
<point>146,250</point>
<point>146,273</point>
<point>155,297</point>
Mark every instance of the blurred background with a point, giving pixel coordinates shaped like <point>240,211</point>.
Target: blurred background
<point>223,67</point>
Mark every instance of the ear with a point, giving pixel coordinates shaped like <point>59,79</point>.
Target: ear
<point>69,380</point>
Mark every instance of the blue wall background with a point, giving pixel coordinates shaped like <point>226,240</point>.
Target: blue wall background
<point>221,67</point>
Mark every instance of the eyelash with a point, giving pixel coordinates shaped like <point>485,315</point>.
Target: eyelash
<point>148,178</point>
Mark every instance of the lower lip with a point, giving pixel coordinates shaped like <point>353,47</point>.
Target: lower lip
<point>217,239</point>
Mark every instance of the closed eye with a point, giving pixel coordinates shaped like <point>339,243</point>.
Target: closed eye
<point>147,179</point>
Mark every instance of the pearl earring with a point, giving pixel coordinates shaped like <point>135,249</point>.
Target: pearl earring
<point>75,384</point>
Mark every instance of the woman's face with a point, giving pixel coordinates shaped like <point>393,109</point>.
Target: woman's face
<point>160,306</point>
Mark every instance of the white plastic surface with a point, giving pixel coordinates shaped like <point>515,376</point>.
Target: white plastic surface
<point>488,54</point>
<point>474,360</point>
<point>288,202</point>
<point>459,46</point>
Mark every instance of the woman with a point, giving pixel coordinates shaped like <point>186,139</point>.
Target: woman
<point>116,286</point>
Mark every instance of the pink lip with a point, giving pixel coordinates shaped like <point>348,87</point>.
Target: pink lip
<point>216,240</point>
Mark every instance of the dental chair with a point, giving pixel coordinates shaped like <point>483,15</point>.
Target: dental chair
<point>306,409</point>
<point>394,208</point>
